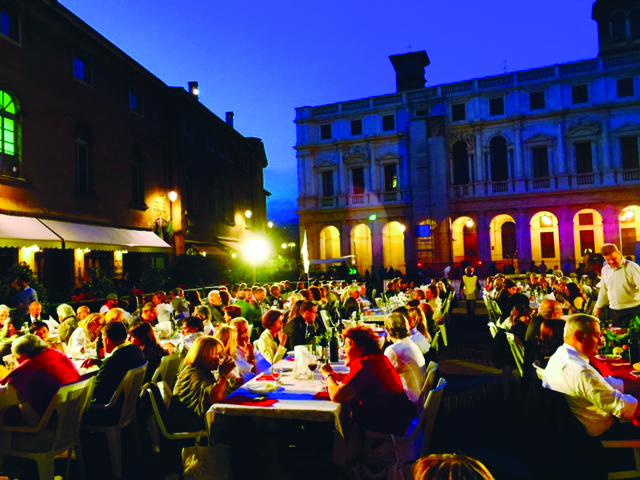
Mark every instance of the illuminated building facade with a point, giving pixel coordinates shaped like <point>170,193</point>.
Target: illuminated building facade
<point>533,165</point>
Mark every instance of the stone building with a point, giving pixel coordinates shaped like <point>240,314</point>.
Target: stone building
<point>91,144</point>
<point>534,165</point>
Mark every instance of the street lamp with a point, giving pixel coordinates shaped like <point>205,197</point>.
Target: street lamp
<point>248,213</point>
<point>270,224</point>
<point>256,250</point>
<point>173,196</point>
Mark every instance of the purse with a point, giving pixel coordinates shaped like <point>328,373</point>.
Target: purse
<point>211,463</point>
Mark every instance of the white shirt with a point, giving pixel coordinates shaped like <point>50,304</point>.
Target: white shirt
<point>420,340</point>
<point>77,341</point>
<point>164,312</point>
<point>591,398</point>
<point>620,287</point>
<point>269,347</point>
<point>408,361</point>
<point>104,309</point>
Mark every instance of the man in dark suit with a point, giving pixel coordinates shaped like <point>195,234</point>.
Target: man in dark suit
<point>300,329</point>
<point>124,357</point>
<point>34,315</point>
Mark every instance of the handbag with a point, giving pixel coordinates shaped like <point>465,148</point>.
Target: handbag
<point>211,462</point>
<point>394,471</point>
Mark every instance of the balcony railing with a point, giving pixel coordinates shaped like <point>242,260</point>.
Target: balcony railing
<point>500,187</point>
<point>461,190</point>
<point>585,179</point>
<point>328,202</point>
<point>360,199</point>
<point>390,197</point>
<point>9,166</point>
<point>541,183</point>
<point>631,175</point>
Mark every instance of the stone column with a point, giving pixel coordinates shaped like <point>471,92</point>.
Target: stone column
<point>561,165</point>
<point>479,159</point>
<point>373,166</point>
<point>523,239</point>
<point>302,176</point>
<point>409,245</point>
<point>518,161</point>
<point>377,252</point>
<point>484,238</point>
<point>611,223</point>
<point>566,236</point>
<point>345,239</point>
<point>607,167</point>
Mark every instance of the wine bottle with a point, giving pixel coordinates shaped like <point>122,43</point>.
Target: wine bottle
<point>333,347</point>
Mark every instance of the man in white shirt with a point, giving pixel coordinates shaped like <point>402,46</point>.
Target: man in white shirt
<point>112,302</point>
<point>592,399</point>
<point>619,287</point>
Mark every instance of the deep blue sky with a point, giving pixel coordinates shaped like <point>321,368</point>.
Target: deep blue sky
<point>263,59</point>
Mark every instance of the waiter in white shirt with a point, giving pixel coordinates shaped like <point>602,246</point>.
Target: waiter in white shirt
<point>619,287</point>
<point>594,400</point>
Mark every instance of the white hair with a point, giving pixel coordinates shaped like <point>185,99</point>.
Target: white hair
<point>29,345</point>
<point>578,323</point>
<point>4,308</point>
<point>65,311</point>
<point>213,292</point>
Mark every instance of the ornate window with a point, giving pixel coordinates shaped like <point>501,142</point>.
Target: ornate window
<point>9,155</point>
<point>499,160</point>
<point>460,163</point>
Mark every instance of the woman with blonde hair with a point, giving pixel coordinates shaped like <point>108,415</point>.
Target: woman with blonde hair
<point>196,388</point>
<point>228,336</point>
<point>450,467</point>
<point>86,335</point>
<point>115,315</point>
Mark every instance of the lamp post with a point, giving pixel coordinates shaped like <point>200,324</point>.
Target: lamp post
<point>256,251</point>
<point>173,196</point>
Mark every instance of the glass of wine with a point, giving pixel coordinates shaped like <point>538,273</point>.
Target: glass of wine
<point>276,372</point>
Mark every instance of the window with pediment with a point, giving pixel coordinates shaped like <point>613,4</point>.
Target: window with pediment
<point>9,152</point>
<point>499,159</point>
<point>460,163</point>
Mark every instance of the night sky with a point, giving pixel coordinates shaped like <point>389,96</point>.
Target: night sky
<point>261,60</point>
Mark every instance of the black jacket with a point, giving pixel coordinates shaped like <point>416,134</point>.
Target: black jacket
<point>113,370</point>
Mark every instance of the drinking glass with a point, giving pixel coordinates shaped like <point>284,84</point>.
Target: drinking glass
<point>276,371</point>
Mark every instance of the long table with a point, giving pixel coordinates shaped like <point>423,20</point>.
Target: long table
<point>293,399</point>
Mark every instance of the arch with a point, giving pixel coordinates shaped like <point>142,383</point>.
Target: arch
<point>545,238</point>
<point>634,23</point>
<point>502,230</point>
<point>361,247</point>
<point>393,245</point>
<point>464,238</point>
<point>588,232</point>
<point>619,27</point>
<point>629,230</point>
<point>499,159</point>
<point>329,243</point>
<point>460,155</point>
<point>425,251</point>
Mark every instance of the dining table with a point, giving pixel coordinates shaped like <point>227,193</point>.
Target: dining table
<point>286,398</point>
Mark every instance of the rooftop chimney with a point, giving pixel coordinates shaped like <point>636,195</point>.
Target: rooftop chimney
<point>410,70</point>
<point>194,89</point>
<point>229,119</point>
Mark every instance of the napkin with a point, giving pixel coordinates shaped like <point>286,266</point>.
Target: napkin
<point>321,396</point>
<point>266,378</point>
<point>248,401</point>
<point>302,360</point>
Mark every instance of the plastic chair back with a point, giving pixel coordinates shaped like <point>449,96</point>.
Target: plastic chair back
<point>326,319</point>
<point>131,386</point>
<point>432,404</point>
<point>517,350</point>
<point>71,401</point>
<point>168,370</point>
<point>493,329</point>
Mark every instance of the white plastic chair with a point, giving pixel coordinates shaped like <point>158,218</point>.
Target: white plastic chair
<point>157,426</point>
<point>168,370</point>
<point>493,329</point>
<point>129,387</point>
<point>414,444</point>
<point>517,352</point>
<point>430,377</point>
<point>70,403</point>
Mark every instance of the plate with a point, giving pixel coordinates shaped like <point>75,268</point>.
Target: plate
<point>635,373</point>
<point>608,357</point>
<point>262,388</point>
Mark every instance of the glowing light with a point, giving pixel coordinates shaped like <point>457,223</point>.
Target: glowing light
<point>372,218</point>
<point>248,213</point>
<point>204,254</point>
<point>403,228</point>
<point>292,244</point>
<point>629,215</point>
<point>470,223</point>
<point>546,220</point>
<point>87,250</point>
<point>270,224</point>
<point>173,196</point>
<point>234,255</point>
<point>284,245</point>
<point>256,250</point>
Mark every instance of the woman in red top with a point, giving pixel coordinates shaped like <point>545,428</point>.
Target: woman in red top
<point>373,389</point>
<point>34,383</point>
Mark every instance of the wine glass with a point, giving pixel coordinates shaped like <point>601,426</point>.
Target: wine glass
<point>276,372</point>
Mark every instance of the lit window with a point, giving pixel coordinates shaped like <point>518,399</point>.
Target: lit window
<point>82,69</point>
<point>8,136</point>
<point>9,25</point>
<point>390,178</point>
<point>135,102</point>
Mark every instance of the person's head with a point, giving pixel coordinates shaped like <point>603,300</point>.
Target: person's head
<point>552,333</point>
<point>93,323</point>
<point>64,311</point>
<point>315,293</point>
<point>205,354</point>
<point>115,333</point>
<point>272,321</point>
<point>225,297</point>
<point>40,329</point>
<point>468,271</point>
<point>259,294</point>
<point>418,294</point>
<point>231,312</point>
<point>397,326</point>
<point>275,291</point>
<point>498,282</point>
<point>611,255</point>
<point>115,315</point>
<point>582,332</point>
<point>544,281</point>
<point>309,312</point>
<point>112,300</point>
<point>149,312</point>
<point>23,280</point>
<point>521,313</point>
<point>202,312</point>
<point>534,279</point>
<point>573,290</point>
<point>353,291</point>
<point>242,327</point>
<point>295,309</point>
<point>228,336</point>
<point>358,342</point>
<point>450,467</point>
<point>432,292</point>
<point>142,335</point>
<point>214,298</point>
<point>417,317</point>
<point>177,292</point>
<point>27,346</point>
<point>35,309</point>
<point>14,325</point>
<point>510,286</point>
<point>4,314</point>
<point>241,295</point>
<point>550,309</point>
<point>82,312</point>
<point>158,298</point>
<point>192,324</point>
